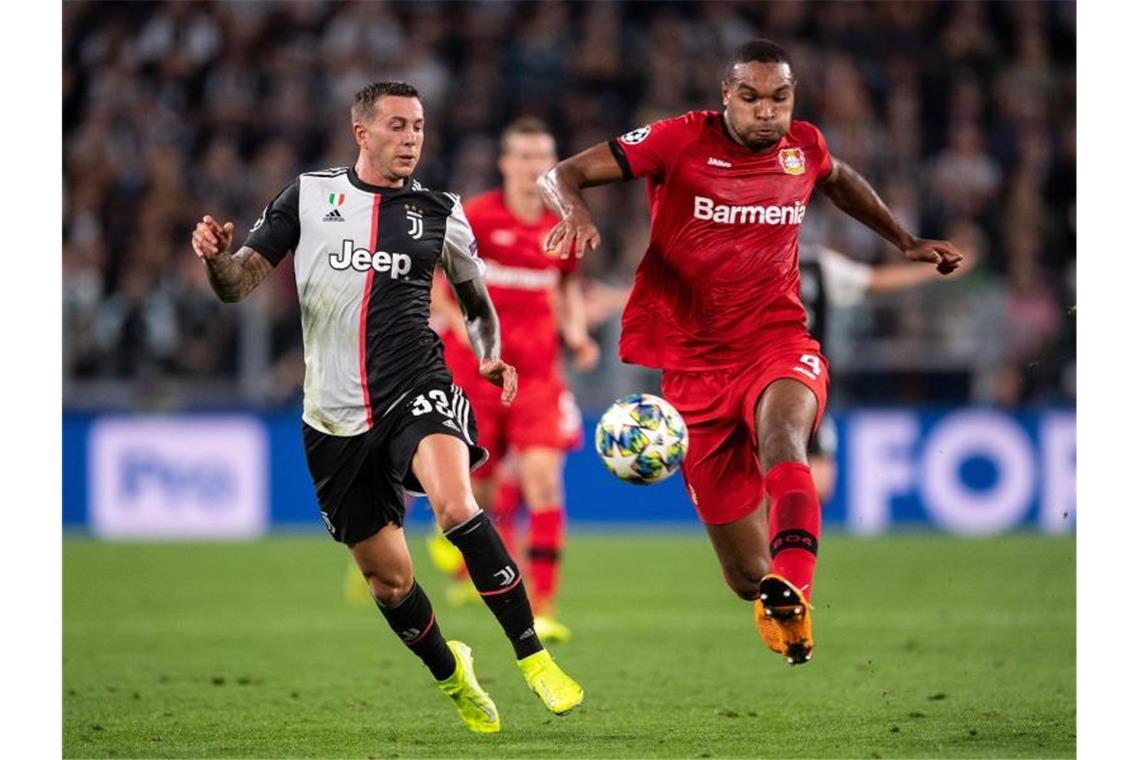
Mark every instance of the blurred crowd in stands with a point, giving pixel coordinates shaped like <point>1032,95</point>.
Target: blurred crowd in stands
<point>962,114</point>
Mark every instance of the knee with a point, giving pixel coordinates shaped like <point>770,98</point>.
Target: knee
<point>745,581</point>
<point>545,492</point>
<point>782,443</point>
<point>389,587</point>
<point>454,509</point>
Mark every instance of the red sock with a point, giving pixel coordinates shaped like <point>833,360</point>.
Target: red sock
<point>793,523</point>
<point>546,528</point>
<point>507,503</point>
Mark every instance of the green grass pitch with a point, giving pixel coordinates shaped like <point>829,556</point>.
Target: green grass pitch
<point>925,647</point>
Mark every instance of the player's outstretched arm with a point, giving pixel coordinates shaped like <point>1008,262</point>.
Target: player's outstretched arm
<point>233,277</point>
<point>483,330</point>
<point>854,196</point>
<point>561,189</point>
<point>889,278</point>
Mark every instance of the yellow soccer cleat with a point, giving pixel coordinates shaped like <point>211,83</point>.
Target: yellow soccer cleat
<point>550,630</point>
<point>783,618</point>
<point>443,553</point>
<point>474,704</point>
<point>558,691</point>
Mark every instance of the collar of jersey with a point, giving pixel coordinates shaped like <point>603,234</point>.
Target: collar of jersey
<point>360,184</point>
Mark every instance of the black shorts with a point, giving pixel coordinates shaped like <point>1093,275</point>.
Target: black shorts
<point>361,479</point>
<point>825,441</point>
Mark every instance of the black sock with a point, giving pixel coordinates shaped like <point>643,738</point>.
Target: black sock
<point>414,622</point>
<point>498,580</point>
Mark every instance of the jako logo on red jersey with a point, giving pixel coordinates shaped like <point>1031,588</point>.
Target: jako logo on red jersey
<point>362,259</point>
<point>707,210</point>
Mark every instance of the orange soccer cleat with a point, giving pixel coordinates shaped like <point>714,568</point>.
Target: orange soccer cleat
<point>783,618</point>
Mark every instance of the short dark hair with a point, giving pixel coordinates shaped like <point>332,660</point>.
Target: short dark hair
<point>759,50</point>
<point>366,97</point>
<point>524,125</point>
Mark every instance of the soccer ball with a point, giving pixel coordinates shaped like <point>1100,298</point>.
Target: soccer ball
<point>641,439</point>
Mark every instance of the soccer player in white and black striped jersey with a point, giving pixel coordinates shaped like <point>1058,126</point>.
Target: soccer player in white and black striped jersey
<point>381,414</point>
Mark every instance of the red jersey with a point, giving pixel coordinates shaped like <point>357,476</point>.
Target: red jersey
<point>720,278</point>
<point>521,280</point>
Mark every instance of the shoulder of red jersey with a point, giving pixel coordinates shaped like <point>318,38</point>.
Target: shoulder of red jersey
<point>649,149</point>
<point>690,121</point>
<point>804,132</point>
<point>483,202</point>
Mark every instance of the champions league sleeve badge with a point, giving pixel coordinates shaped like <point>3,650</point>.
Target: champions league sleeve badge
<point>636,136</point>
<point>792,160</point>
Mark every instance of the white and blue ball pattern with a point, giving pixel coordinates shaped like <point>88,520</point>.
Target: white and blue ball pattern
<point>641,439</point>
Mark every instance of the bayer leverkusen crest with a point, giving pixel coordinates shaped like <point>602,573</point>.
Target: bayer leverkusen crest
<point>792,160</point>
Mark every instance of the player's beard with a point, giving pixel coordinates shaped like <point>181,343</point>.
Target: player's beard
<point>759,141</point>
<point>762,145</point>
<point>756,144</point>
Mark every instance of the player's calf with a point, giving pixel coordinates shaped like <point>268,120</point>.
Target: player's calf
<point>498,580</point>
<point>547,534</point>
<point>783,610</point>
<point>413,620</point>
<point>794,523</point>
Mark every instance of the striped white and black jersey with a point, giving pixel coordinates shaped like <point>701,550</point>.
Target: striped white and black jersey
<point>828,280</point>
<point>363,257</point>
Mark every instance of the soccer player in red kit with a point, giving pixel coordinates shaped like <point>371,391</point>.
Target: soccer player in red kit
<point>715,304</point>
<point>538,298</point>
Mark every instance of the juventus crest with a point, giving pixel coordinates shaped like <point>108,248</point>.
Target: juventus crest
<point>415,222</point>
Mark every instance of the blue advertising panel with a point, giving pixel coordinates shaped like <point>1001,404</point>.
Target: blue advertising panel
<point>969,471</point>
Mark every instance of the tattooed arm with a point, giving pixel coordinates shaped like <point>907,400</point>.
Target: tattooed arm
<point>464,270</point>
<point>232,276</point>
<point>479,314</point>
<point>483,330</point>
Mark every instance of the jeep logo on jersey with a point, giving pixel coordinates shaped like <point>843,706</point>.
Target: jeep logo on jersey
<point>362,259</point>
<point>416,220</point>
<point>707,210</point>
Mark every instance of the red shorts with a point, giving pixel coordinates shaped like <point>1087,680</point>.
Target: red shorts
<point>543,414</point>
<point>721,469</point>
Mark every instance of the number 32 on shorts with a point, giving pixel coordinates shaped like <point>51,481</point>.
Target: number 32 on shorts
<point>811,361</point>
<point>422,406</point>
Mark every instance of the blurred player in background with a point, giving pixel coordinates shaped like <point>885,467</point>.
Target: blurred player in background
<point>829,280</point>
<point>381,414</point>
<point>715,304</point>
<point>538,298</point>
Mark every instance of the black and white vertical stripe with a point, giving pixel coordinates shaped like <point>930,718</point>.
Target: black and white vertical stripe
<point>462,408</point>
